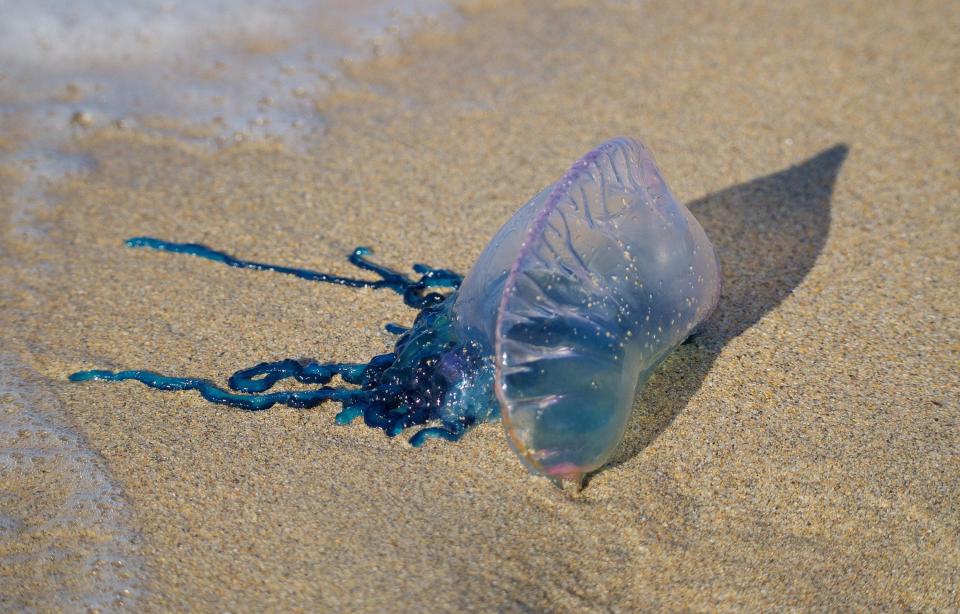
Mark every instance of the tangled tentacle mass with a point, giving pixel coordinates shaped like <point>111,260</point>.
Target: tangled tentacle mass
<point>430,377</point>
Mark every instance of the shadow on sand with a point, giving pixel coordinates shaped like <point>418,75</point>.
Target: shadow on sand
<point>768,233</point>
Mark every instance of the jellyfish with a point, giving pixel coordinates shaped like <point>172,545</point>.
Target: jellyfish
<point>558,325</point>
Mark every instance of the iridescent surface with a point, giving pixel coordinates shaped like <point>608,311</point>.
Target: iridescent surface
<point>562,319</point>
<point>593,283</point>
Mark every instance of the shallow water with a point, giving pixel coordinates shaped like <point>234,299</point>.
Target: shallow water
<point>208,72</point>
<point>224,69</point>
<point>66,536</point>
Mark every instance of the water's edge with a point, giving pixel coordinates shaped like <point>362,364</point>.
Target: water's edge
<point>61,517</point>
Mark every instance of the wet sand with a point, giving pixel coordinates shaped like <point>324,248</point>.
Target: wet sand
<point>803,452</point>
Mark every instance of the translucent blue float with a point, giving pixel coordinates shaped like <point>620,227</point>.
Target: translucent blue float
<point>562,319</point>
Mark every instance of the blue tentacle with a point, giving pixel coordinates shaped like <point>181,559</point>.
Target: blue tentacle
<point>414,292</point>
<point>413,385</point>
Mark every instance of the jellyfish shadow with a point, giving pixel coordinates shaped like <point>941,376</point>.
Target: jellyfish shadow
<point>768,233</point>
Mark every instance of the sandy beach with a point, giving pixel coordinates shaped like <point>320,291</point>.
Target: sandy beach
<point>801,454</point>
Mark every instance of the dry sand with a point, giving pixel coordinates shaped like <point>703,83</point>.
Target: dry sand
<point>802,453</point>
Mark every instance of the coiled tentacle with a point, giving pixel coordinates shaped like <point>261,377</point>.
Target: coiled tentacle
<point>391,392</point>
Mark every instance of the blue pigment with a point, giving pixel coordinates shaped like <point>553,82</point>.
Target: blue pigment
<point>430,377</point>
<point>413,292</point>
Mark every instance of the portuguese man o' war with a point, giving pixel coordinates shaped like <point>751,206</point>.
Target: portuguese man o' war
<point>560,322</point>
